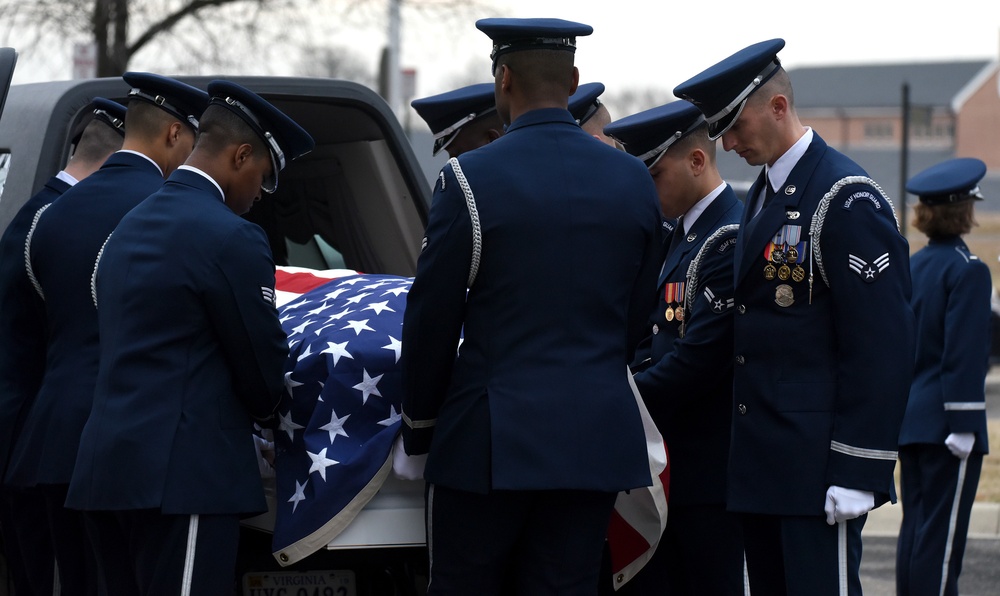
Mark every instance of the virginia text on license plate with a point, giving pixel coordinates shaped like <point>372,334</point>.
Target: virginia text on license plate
<point>299,583</point>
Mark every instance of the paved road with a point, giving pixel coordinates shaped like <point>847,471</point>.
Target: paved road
<point>993,394</point>
<point>980,570</point>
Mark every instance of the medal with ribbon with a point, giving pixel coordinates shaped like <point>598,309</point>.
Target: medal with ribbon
<point>672,293</point>
<point>783,252</point>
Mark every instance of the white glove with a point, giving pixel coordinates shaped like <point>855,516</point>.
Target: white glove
<point>843,504</point>
<point>407,467</point>
<point>265,456</point>
<point>960,444</point>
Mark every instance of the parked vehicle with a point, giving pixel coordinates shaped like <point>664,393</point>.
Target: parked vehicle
<point>358,201</point>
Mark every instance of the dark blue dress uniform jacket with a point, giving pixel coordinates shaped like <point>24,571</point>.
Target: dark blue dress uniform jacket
<point>64,247</point>
<point>688,389</point>
<point>22,322</point>
<point>538,397</point>
<point>191,348</point>
<point>951,296</point>
<point>820,388</point>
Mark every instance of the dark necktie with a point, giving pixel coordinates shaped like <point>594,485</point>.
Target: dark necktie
<point>678,234</point>
<point>768,193</point>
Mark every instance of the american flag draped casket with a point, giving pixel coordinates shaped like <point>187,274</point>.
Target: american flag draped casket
<point>340,415</point>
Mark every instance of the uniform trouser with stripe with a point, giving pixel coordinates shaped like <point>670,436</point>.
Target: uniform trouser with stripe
<point>802,555</point>
<point>937,491</point>
<point>146,553</point>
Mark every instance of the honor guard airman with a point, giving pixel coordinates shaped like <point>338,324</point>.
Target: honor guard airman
<point>944,439</point>
<point>192,353</point>
<point>23,516</point>
<point>62,246</point>
<point>687,382</point>
<point>461,120</point>
<point>823,331</point>
<point>533,429</point>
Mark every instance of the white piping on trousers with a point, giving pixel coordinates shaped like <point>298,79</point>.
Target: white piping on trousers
<point>951,523</point>
<point>430,535</point>
<point>192,541</point>
<point>842,557</point>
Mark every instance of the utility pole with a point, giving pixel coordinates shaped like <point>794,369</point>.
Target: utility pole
<point>904,157</point>
<point>393,76</point>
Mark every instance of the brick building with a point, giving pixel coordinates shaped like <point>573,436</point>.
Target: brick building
<point>954,107</point>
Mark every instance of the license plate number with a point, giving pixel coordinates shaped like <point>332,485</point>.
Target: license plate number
<point>300,583</point>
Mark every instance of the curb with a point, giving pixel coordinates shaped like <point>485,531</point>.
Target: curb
<point>983,523</point>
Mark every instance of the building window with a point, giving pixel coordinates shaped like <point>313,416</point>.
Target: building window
<point>878,130</point>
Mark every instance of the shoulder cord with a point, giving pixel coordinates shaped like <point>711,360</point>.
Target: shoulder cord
<point>27,252</point>
<point>93,276</point>
<point>819,217</point>
<point>477,232</point>
<point>691,285</point>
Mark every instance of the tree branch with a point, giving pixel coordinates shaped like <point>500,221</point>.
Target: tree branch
<point>168,22</point>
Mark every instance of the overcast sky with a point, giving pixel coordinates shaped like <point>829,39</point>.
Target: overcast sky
<point>639,44</point>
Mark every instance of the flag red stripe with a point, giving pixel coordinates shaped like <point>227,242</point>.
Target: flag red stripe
<point>628,543</point>
<point>298,282</point>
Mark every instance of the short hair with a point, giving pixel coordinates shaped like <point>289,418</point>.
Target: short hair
<point>220,127</point>
<point>145,121</point>
<point>97,142</point>
<point>944,220</point>
<point>778,84</point>
<point>543,73</point>
<point>697,139</point>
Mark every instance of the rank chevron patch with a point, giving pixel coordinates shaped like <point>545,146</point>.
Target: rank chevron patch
<point>868,271</point>
<point>718,304</point>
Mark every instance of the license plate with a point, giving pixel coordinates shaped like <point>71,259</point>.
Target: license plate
<point>300,583</point>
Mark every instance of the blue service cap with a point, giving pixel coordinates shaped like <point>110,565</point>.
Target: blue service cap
<point>111,113</point>
<point>285,139</point>
<point>951,181</point>
<point>447,113</point>
<point>647,135</point>
<point>584,103</point>
<point>182,101</point>
<point>721,91</point>
<point>510,35</point>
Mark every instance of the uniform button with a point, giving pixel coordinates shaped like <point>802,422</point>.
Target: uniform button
<point>743,409</point>
<point>740,360</point>
<point>741,309</point>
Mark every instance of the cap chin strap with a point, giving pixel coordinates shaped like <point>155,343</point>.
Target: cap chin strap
<point>661,149</point>
<point>539,43</point>
<point>739,102</point>
<point>116,123</point>
<point>442,138</point>
<point>591,110</point>
<point>277,155</point>
<point>161,102</point>
<point>957,197</point>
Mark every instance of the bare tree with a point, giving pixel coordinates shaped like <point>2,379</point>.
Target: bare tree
<point>335,62</point>
<point>196,33</point>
